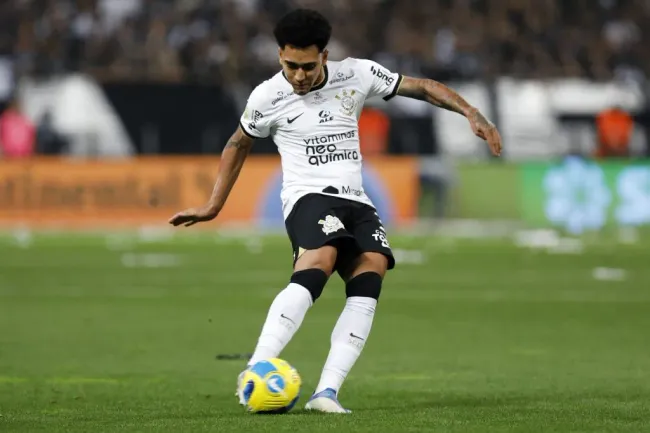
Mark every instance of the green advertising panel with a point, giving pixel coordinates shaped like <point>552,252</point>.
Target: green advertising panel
<point>580,195</point>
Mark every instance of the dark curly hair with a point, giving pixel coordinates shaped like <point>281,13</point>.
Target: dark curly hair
<point>303,28</point>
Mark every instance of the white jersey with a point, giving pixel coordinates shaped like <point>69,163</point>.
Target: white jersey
<point>317,134</point>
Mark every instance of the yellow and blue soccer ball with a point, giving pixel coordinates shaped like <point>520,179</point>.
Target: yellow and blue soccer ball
<point>271,386</point>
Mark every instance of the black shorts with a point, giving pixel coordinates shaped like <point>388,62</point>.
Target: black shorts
<point>352,227</point>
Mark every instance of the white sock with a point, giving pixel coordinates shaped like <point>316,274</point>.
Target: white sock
<point>283,320</point>
<point>348,338</point>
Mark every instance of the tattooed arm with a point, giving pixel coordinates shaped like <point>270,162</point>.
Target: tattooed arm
<point>232,161</point>
<point>442,96</point>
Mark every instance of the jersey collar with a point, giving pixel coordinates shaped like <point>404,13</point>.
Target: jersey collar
<point>322,83</point>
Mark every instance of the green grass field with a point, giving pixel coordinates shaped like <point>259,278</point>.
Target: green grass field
<point>120,334</point>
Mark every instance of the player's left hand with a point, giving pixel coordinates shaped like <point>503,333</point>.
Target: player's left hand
<point>486,130</point>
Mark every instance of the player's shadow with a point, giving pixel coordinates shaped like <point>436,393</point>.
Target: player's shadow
<point>452,401</point>
<point>295,412</point>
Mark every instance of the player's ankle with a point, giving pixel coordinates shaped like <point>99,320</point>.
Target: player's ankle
<point>330,379</point>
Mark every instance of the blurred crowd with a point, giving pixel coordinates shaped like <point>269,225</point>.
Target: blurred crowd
<point>231,40</point>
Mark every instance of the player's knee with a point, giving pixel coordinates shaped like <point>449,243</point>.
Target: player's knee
<point>313,280</point>
<point>371,262</point>
<point>367,284</point>
<point>322,258</point>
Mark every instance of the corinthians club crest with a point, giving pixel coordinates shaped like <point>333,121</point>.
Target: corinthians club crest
<point>348,103</point>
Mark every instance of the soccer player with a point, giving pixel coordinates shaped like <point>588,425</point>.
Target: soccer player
<point>310,109</point>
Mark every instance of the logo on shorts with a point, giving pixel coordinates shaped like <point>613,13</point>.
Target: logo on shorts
<point>331,224</point>
<point>380,236</point>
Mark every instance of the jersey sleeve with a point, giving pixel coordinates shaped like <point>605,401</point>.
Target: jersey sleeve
<point>256,121</point>
<point>380,81</point>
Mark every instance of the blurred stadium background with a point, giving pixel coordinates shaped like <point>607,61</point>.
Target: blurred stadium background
<point>527,273</point>
<point>135,79</point>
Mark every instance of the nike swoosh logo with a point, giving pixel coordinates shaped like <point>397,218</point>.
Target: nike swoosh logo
<point>355,336</point>
<point>294,119</point>
<point>285,317</point>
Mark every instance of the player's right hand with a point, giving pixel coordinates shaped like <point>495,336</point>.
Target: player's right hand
<point>193,215</point>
